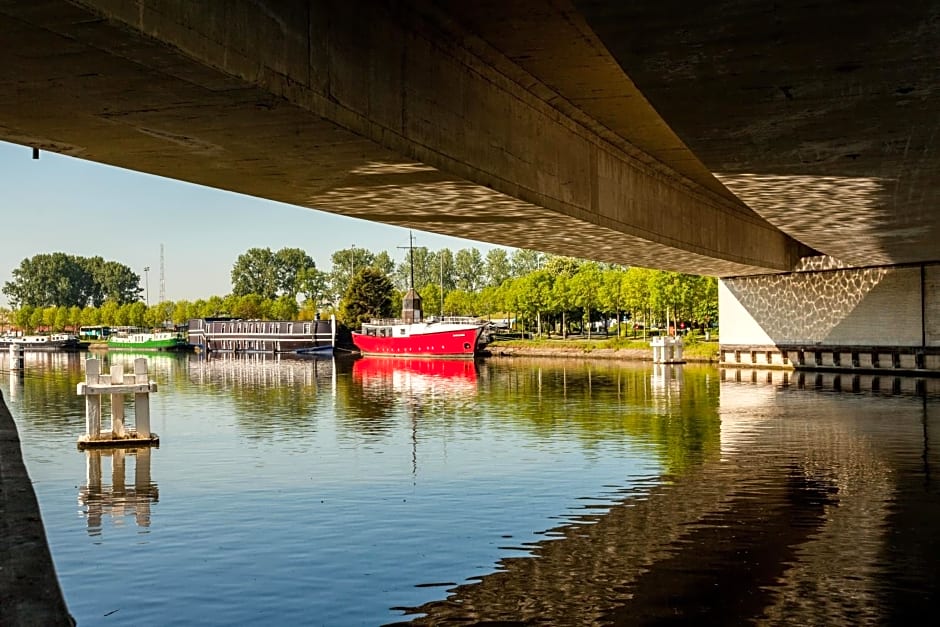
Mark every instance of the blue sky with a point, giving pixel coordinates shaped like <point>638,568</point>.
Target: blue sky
<point>59,203</point>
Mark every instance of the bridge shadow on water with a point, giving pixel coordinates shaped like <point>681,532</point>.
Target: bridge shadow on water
<point>820,509</point>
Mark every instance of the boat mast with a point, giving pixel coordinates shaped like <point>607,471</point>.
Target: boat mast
<point>411,257</point>
<point>411,304</point>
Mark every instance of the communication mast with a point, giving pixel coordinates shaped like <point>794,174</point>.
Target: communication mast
<point>162,277</point>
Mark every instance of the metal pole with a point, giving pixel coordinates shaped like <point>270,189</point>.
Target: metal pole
<point>147,282</point>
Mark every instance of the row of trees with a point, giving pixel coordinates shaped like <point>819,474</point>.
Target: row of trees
<point>62,280</point>
<point>292,272</point>
<point>546,292</point>
<point>560,294</point>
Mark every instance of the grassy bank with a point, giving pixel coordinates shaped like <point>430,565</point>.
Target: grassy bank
<point>606,348</point>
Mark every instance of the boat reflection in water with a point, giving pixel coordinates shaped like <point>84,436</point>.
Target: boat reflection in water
<point>254,369</point>
<point>418,377</point>
<point>117,499</point>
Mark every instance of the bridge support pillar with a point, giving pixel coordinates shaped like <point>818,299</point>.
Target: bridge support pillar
<point>875,319</point>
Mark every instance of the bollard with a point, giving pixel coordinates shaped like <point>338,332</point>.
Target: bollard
<point>116,385</point>
<point>17,358</point>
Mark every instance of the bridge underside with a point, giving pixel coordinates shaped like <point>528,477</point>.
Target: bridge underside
<point>520,131</point>
<point>730,141</point>
<point>822,118</point>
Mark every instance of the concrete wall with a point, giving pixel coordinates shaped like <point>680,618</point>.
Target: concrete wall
<point>880,306</point>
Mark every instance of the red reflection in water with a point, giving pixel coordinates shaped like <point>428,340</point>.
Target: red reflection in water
<point>368,368</point>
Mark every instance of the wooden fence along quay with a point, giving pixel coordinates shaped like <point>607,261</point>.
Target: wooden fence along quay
<point>116,384</point>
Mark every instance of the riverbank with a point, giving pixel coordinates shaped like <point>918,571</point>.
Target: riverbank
<point>698,352</point>
<point>29,588</point>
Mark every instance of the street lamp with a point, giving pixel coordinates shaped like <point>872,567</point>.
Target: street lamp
<point>147,282</point>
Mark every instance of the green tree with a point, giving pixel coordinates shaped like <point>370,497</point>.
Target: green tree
<point>315,287</point>
<point>249,306</point>
<point>91,316</point>
<point>137,314</point>
<point>111,280</point>
<point>460,303</point>
<point>426,269</point>
<point>48,316</point>
<point>292,266</point>
<point>498,266</point>
<point>49,279</point>
<point>346,264</point>
<point>35,318</point>
<point>255,272</point>
<point>384,263</point>
<point>61,319</point>
<point>108,313</point>
<point>182,312</point>
<point>584,289</point>
<point>284,308</point>
<point>75,317</point>
<point>469,269</point>
<point>524,261</point>
<point>369,296</point>
<point>22,318</point>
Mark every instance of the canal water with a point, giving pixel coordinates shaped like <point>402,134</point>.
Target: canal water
<point>322,492</point>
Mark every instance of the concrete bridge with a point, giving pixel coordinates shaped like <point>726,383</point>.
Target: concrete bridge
<point>743,139</point>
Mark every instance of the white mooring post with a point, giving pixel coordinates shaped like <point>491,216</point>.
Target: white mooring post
<point>116,385</point>
<point>17,358</point>
<point>667,350</point>
<point>92,401</point>
<point>117,403</point>
<point>142,399</point>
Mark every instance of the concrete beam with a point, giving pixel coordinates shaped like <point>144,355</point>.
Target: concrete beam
<point>396,114</point>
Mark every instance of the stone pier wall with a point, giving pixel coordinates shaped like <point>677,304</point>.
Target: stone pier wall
<point>871,319</point>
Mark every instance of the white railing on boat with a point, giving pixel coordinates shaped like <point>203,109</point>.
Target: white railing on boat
<point>388,322</point>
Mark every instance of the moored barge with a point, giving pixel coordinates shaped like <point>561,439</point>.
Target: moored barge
<point>233,335</point>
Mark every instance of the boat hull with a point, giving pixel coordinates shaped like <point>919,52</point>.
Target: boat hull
<point>451,344</point>
<point>30,343</point>
<point>151,345</point>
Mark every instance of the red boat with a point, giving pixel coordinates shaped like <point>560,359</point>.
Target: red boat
<point>411,336</point>
<point>448,337</point>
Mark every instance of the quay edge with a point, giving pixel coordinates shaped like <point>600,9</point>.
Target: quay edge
<point>29,588</point>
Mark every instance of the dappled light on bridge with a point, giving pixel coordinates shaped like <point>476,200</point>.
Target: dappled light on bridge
<point>848,218</point>
<point>803,308</point>
<point>412,194</point>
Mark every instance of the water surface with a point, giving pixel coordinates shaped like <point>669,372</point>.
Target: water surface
<point>318,492</point>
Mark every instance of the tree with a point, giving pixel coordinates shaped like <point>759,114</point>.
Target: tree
<point>498,266</point>
<point>584,286</point>
<point>469,269</point>
<point>524,261</point>
<point>346,264</point>
<point>61,319</point>
<point>291,268</point>
<point>384,263</point>
<point>108,312</point>
<point>284,308</point>
<point>255,272</point>
<point>369,296</point>
<point>314,285</point>
<point>182,312</point>
<point>62,280</point>
<point>426,269</point>
<point>111,280</point>
<point>75,317</point>
<point>49,279</point>
<point>22,318</point>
